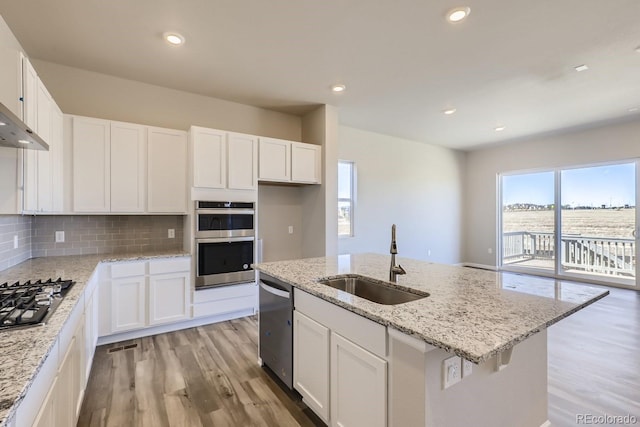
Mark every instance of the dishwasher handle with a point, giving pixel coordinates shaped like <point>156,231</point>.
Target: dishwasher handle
<point>272,289</point>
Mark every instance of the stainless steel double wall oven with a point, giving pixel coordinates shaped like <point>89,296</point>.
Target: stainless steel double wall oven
<point>224,238</point>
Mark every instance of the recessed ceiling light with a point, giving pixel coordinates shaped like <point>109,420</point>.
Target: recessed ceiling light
<point>500,128</point>
<point>24,141</point>
<point>634,109</point>
<point>3,124</point>
<point>582,67</point>
<point>457,14</point>
<point>449,111</point>
<point>638,49</point>
<point>173,39</point>
<point>338,88</point>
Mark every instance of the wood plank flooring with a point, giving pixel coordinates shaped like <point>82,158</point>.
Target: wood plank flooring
<point>209,376</point>
<point>205,376</point>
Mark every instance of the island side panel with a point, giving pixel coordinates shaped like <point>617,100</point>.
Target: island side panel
<point>515,395</point>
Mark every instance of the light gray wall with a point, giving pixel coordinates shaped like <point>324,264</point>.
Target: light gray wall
<point>414,185</point>
<point>92,94</point>
<point>602,144</point>
<point>279,207</point>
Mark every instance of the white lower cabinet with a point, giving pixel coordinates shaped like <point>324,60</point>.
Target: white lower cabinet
<point>311,363</point>
<point>339,363</point>
<point>48,408</point>
<point>358,385</point>
<point>128,298</point>
<point>223,300</point>
<point>140,294</point>
<point>168,298</point>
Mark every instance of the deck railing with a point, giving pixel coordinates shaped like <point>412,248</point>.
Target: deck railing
<point>593,254</point>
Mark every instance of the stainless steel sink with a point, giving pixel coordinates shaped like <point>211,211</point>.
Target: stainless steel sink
<point>374,291</point>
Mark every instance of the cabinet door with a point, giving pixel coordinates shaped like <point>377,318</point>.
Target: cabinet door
<point>128,304</point>
<point>167,171</point>
<point>305,163</point>
<point>311,363</point>
<point>128,173</point>
<point>209,157</point>
<point>44,185</point>
<point>91,165</point>
<point>90,331</point>
<point>57,159</point>
<point>47,414</point>
<point>274,160</point>
<point>358,385</point>
<point>65,406</point>
<point>169,298</point>
<point>242,161</point>
<point>29,116</point>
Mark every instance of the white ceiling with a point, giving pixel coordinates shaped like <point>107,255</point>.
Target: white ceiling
<point>510,63</point>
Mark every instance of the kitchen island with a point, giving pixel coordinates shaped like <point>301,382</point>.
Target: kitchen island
<point>495,320</point>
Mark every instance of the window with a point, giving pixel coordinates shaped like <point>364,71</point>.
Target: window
<point>346,197</point>
<point>578,222</point>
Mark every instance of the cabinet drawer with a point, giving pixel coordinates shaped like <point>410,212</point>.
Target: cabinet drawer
<point>227,305</point>
<point>366,333</point>
<point>128,269</point>
<point>224,292</point>
<point>169,265</point>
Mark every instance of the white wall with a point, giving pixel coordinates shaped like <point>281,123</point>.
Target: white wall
<point>414,185</point>
<point>87,93</point>
<point>602,144</point>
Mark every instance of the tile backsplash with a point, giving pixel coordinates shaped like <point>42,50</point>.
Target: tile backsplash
<point>11,226</point>
<point>105,234</point>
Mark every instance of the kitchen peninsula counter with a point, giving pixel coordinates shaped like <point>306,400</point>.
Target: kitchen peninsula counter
<point>24,350</point>
<point>473,313</point>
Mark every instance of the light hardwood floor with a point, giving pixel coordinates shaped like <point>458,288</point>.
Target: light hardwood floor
<point>208,376</point>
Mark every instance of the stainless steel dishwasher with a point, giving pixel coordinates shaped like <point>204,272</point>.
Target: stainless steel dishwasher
<point>276,327</point>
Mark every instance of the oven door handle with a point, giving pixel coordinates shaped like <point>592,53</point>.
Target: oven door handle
<point>226,239</point>
<point>225,211</point>
<point>275,291</point>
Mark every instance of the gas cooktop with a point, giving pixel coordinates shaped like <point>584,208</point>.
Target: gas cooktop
<point>30,303</point>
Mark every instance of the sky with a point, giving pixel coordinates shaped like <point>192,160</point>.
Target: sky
<point>612,185</point>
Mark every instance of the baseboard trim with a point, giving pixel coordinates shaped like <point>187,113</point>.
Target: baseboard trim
<point>161,329</point>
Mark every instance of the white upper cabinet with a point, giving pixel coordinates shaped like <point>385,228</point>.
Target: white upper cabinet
<point>275,160</point>
<point>42,170</point>
<point>167,171</point>
<point>209,151</point>
<point>224,160</point>
<point>289,161</point>
<point>91,165</point>
<point>128,167</point>
<point>242,166</point>
<point>305,163</point>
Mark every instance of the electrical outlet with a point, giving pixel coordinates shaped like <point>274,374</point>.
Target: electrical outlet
<point>59,236</point>
<point>451,371</point>
<point>291,229</point>
<point>467,368</point>
<point>171,233</point>
<point>490,250</point>
<point>15,242</point>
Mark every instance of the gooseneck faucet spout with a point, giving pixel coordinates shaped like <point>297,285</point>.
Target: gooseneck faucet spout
<point>394,270</point>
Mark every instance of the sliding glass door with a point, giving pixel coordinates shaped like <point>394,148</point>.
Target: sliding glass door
<point>578,222</point>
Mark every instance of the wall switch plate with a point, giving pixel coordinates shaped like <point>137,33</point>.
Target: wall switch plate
<point>15,242</point>
<point>451,371</point>
<point>490,250</point>
<point>291,229</point>
<point>467,368</point>
<point>59,236</point>
<point>171,233</point>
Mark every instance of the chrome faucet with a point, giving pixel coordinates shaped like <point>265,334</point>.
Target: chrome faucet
<point>395,269</point>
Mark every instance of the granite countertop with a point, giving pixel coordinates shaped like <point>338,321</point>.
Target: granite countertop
<point>473,313</point>
<point>24,350</point>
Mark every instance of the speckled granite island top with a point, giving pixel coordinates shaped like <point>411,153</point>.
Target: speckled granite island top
<point>24,350</point>
<point>473,313</point>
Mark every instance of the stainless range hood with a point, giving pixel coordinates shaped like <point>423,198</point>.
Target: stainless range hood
<point>14,133</point>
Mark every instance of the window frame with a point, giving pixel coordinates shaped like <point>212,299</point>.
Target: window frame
<point>351,200</point>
